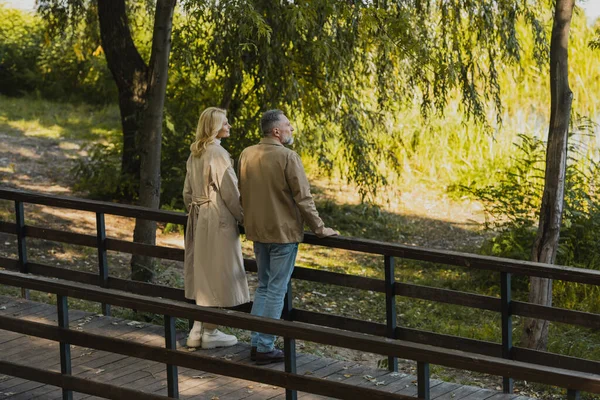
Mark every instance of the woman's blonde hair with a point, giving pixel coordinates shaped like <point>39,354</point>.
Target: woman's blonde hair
<point>210,123</point>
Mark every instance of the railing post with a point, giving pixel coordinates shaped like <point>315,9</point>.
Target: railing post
<point>505,299</point>
<point>573,394</point>
<point>171,343</point>
<point>62,308</point>
<point>289,344</point>
<point>423,384</point>
<point>102,261</point>
<point>390,307</point>
<point>21,243</point>
<point>190,321</point>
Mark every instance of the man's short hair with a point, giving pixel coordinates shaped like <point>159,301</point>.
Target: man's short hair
<point>269,120</point>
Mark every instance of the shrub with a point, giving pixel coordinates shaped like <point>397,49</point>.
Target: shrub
<point>20,47</point>
<point>513,207</point>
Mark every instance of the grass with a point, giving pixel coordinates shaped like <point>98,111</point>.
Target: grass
<point>34,117</point>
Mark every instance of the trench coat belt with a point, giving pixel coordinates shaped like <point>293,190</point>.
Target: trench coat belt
<point>193,215</point>
<point>199,201</point>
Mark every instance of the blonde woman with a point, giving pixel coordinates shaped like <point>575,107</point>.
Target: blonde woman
<point>213,267</point>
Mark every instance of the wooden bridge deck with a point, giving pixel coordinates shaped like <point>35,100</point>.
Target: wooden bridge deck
<point>150,376</point>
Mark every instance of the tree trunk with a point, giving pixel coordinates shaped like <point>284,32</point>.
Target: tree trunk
<point>142,267</point>
<point>131,76</point>
<point>535,335</point>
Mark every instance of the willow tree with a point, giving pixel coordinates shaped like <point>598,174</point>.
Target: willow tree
<point>343,69</point>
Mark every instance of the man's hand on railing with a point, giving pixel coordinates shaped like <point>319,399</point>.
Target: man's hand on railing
<point>324,232</point>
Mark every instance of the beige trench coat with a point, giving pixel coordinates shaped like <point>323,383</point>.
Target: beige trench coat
<point>213,266</point>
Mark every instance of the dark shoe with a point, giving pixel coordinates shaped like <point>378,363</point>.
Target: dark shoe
<point>273,356</point>
<point>253,353</point>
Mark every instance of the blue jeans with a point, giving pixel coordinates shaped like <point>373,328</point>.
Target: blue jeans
<point>275,266</point>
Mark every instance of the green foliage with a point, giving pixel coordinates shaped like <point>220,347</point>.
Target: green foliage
<point>68,66</point>
<point>98,174</point>
<point>343,71</point>
<point>514,202</point>
<point>20,38</point>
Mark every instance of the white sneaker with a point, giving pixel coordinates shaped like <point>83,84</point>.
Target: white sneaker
<point>195,337</point>
<point>216,338</point>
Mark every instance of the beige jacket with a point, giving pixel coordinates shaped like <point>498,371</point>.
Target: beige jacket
<point>213,267</point>
<point>276,194</point>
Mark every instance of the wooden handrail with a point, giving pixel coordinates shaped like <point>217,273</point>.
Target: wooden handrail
<point>504,305</point>
<point>468,260</point>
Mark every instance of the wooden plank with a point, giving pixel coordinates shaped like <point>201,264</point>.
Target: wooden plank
<point>123,246</point>
<point>70,382</point>
<point>32,352</point>
<point>403,382</point>
<point>336,321</point>
<point>104,360</point>
<point>316,365</point>
<point>458,393</point>
<point>482,394</point>
<point>93,205</point>
<point>443,388</point>
<point>147,289</point>
<point>451,358</point>
<point>357,376</point>
<point>60,236</point>
<point>447,296</point>
<point>545,358</point>
<point>251,390</point>
<point>24,343</point>
<point>348,243</point>
<point>23,387</point>
<point>502,396</point>
<point>412,389</point>
<point>145,384</point>
<point>8,227</point>
<point>210,388</point>
<point>334,278</point>
<point>45,353</point>
<point>6,336</point>
<point>41,392</point>
<point>585,319</point>
<point>14,305</point>
<point>9,263</point>
<point>256,392</point>
<point>449,341</point>
<point>64,273</point>
<point>459,259</point>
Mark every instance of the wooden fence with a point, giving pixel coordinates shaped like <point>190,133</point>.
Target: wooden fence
<point>501,359</point>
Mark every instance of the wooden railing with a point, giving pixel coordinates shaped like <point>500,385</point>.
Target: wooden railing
<point>503,359</point>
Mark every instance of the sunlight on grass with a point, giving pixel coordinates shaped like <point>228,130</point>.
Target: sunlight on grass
<point>53,120</point>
